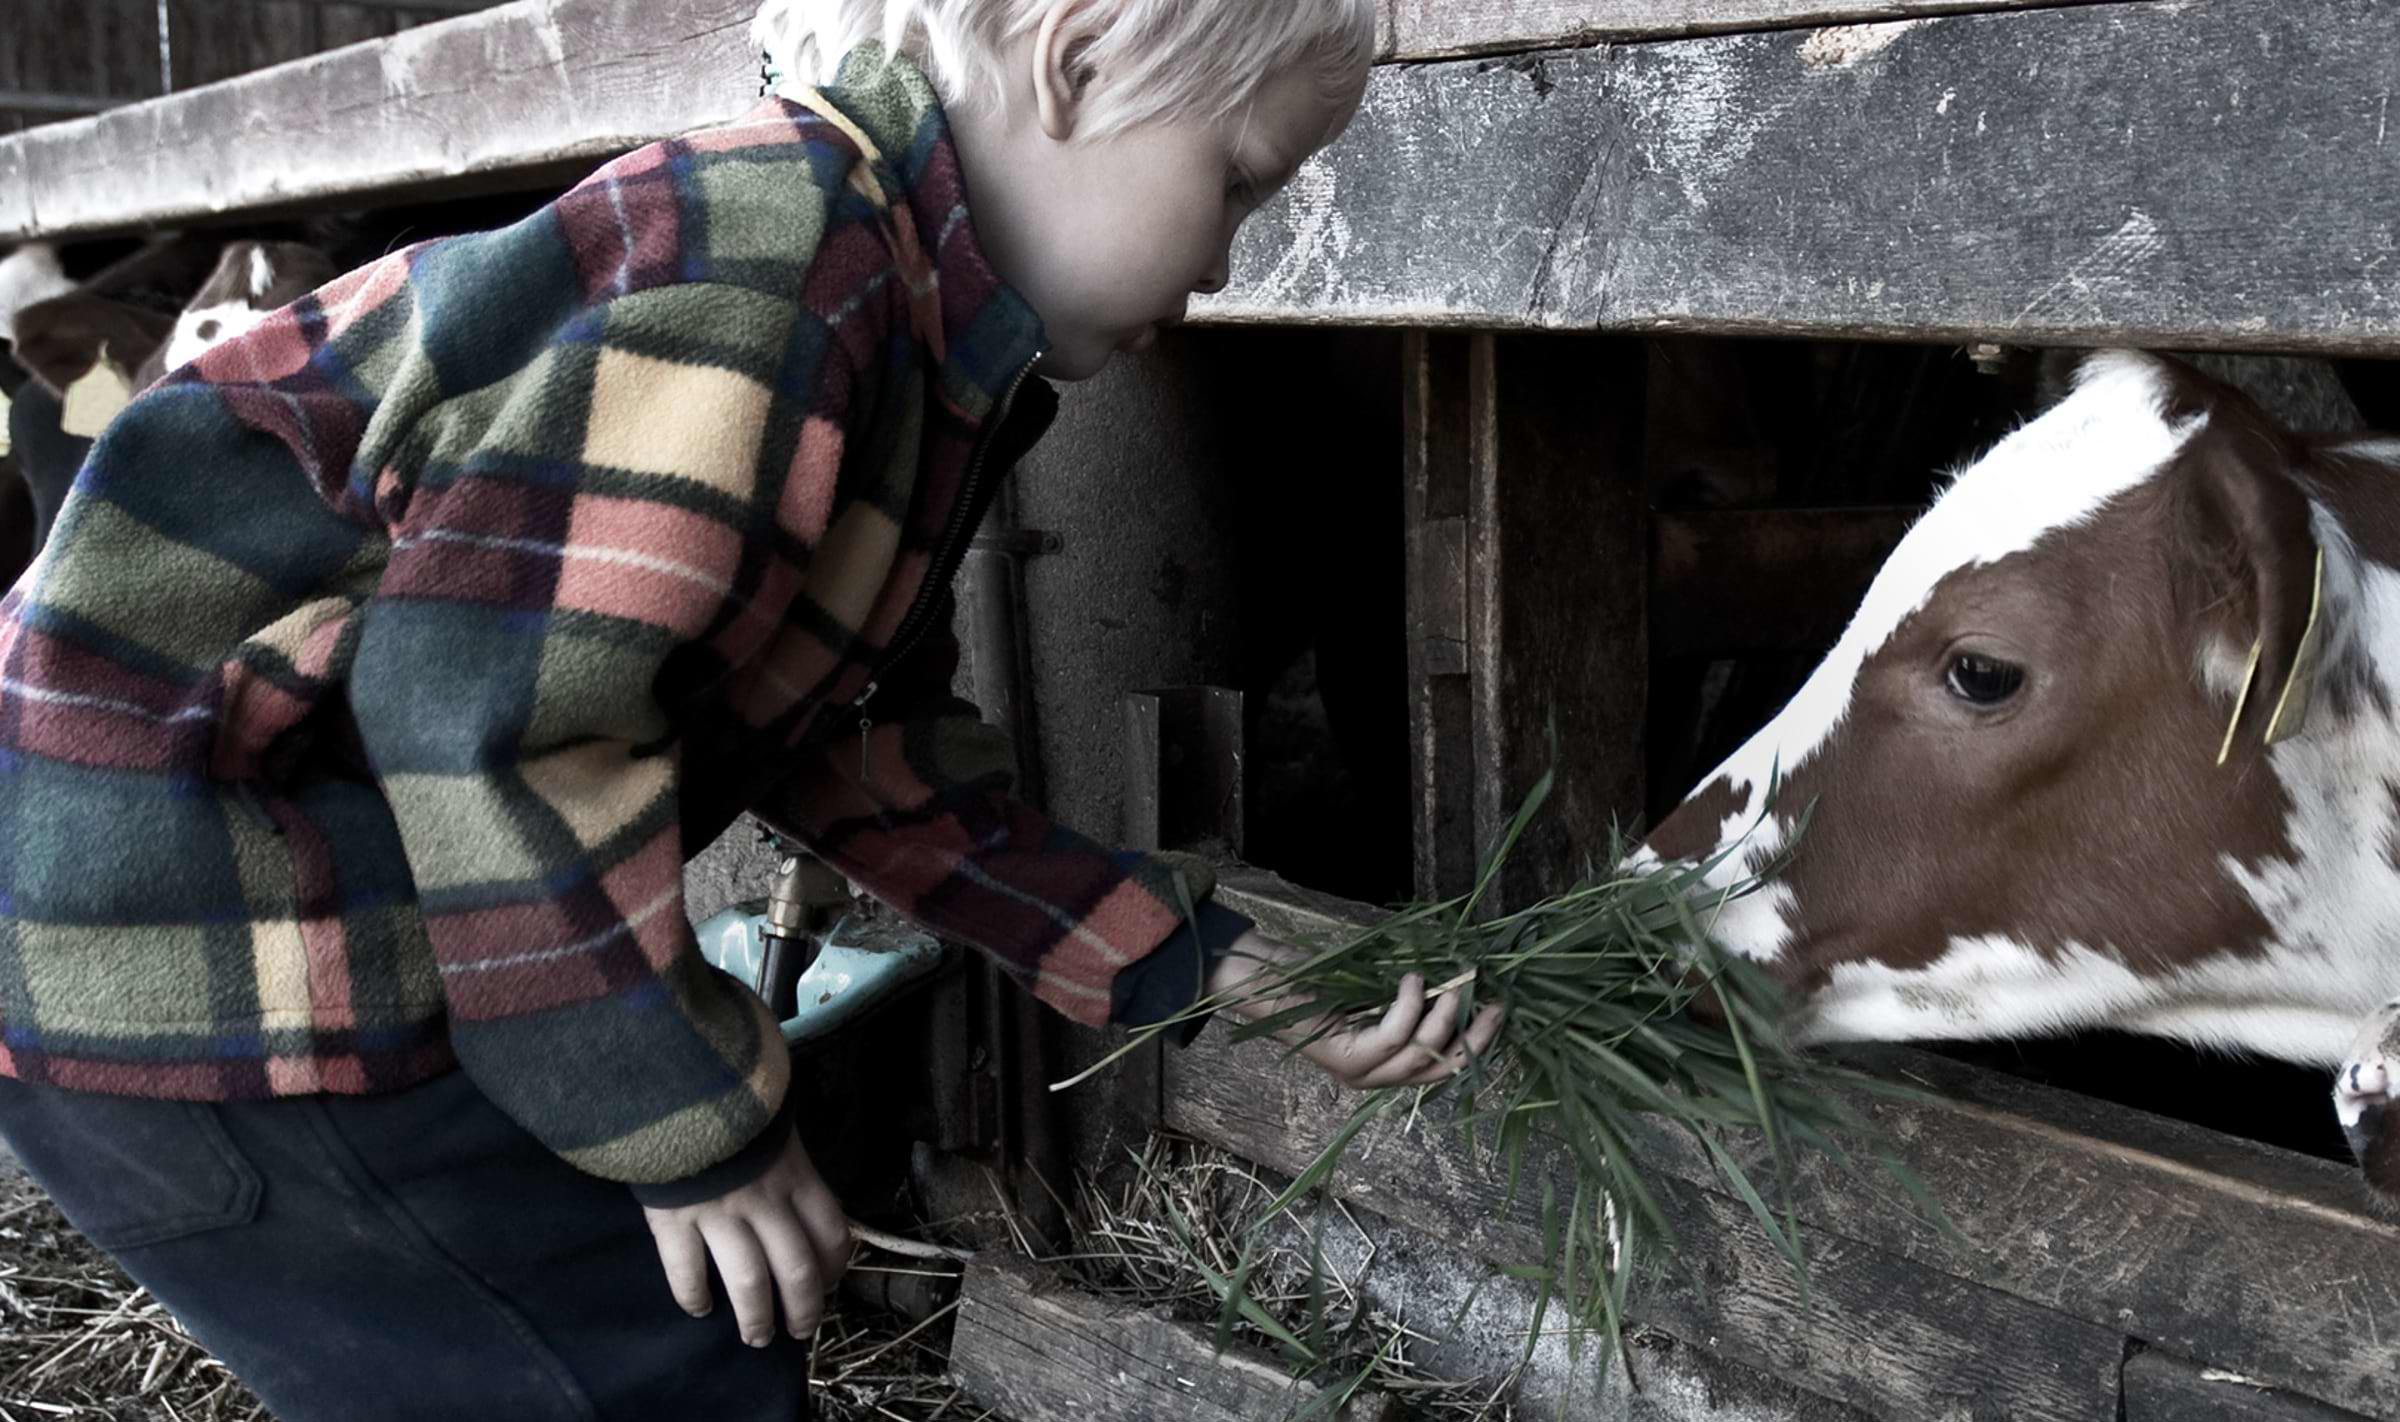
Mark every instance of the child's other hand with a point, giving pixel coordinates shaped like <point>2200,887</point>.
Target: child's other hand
<point>781,1237</point>
<point>1410,1046</point>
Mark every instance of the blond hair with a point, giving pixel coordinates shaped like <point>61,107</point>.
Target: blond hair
<point>1155,59</point>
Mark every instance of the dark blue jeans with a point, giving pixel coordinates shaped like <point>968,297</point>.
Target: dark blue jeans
<point>409,1256</point>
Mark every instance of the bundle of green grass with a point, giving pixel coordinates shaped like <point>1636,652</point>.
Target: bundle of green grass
<point>1598,983</point>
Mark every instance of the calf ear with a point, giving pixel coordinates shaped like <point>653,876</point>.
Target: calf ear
<point>59,340</point>
<point>2251,569</point>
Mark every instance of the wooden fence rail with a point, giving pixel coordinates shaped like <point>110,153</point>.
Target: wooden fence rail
<point>2086,1232</point>
<point>2168,174</point>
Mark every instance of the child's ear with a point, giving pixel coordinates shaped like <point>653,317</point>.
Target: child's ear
<point>1062,74</point>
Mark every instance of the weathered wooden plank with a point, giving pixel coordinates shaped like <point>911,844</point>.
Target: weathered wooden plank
<point>671,64</point>
<point>516,91</point>
<point>1038,1350</point>
<point>1729,582</point>
<point>1434,29</point>
<point>1528,533</point>
<point>2160,1387</point>
<point>1986,176</point>
<point>1435,462</point>
<point>1998,175</point>
<point>1559,646</point>
<point>1878,1332</point>
<point>2151,174</point>
<point>2250,1259</point>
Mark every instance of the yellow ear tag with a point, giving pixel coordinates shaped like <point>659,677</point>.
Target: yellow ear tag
<point>95,398</point>
<point>2240,700</point>
<point>4,451</point>
<point>2291,709</point>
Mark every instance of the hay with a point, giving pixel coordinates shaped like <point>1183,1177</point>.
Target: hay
<point>79,1340</point>
<point>1597,982</point>
<point>1171,1235</point>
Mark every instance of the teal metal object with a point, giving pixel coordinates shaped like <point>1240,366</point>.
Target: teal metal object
<point>859,965</point>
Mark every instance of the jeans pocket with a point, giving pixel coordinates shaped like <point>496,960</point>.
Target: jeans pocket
<point>127,1171</point>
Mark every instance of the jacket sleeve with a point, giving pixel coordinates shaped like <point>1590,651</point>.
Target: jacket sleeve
<point>919,811</point>
<point>587,517</point>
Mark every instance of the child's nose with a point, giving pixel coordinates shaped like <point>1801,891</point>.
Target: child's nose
<point>1212,283</point>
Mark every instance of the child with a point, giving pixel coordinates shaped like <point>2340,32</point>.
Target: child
<point>386,661</point>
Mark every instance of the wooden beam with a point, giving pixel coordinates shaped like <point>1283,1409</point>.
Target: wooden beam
<point>1878,1332</point>
<point>2010,175</point>
<point>1435,29</point>
<point>1528,539</point>
<point>2160,1387</point>
<point>2241,1256</point>
<point>415,7</point>
<point>2141,174</point>
<point>510,95</point>
<point>1033,1347</point>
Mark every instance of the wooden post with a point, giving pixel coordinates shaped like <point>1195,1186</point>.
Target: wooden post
<point>1043,1351</point>
<point>1528,563</point>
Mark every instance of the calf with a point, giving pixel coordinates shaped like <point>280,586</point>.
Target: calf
<point>2112,741</point>
<point>252,281</point>
<point>59,332</point>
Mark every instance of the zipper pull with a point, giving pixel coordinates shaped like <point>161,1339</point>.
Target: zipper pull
<point>866,723</point>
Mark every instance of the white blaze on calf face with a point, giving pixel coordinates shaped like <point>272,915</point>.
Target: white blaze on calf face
<point>197,332</point>
<point>237,300</point>
<point>2109,436</point>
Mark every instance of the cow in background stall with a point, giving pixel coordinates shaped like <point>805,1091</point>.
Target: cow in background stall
<point>2113,741</point>
<point>88,346</point>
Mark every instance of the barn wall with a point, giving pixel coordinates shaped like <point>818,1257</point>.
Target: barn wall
<point>61,59</point>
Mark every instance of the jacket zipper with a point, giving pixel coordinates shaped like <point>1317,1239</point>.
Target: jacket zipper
<point>947,555</point>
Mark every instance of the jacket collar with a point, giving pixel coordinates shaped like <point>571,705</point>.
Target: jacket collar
<point>978,331</point>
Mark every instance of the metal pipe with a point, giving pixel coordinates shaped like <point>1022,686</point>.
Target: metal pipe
<point>999,646</point>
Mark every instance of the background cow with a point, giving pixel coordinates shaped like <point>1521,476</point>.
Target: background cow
<point>141,316</point>
<point>2021,823</point>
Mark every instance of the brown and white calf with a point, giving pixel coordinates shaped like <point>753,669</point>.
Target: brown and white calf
<point>59,331</point>
<point>2020,823</point>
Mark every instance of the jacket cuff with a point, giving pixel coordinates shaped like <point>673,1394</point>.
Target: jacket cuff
<point>1172,978</point>
<point>729,1174</point>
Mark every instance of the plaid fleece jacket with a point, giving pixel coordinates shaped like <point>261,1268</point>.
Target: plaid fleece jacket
<point>352,723</point>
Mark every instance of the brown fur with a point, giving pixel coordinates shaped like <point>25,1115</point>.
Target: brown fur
<point>2089,808</point>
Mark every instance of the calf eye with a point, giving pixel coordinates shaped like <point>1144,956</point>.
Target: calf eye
<point>1984,681</point>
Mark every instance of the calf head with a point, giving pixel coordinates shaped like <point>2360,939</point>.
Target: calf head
<point>252,280</point>
<point>60,338</point>
<point>2017,818</point>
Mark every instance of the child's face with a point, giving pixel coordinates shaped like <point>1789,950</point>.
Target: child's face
<point>1109,239</point>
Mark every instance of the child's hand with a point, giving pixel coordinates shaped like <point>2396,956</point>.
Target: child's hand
<point>782,1236</point>
<point>1410,1046</point>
